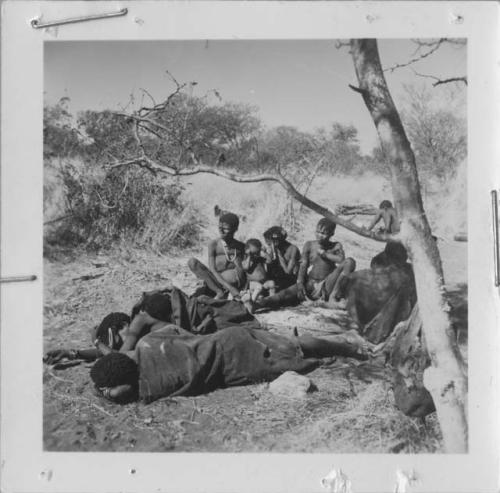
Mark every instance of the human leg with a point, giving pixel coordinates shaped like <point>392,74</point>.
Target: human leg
<point>348,344</point>
<point>271,287</point>
<point>335,281</point>
<point>202,272</point>
<point>255,289</point>
<point>286,297</point>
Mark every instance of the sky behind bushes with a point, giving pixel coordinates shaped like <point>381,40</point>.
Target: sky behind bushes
<point>297,83</point>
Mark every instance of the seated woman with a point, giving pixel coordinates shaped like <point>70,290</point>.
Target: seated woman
<point>172,362</point>
<point>282,258</point>
<point>254,265</point>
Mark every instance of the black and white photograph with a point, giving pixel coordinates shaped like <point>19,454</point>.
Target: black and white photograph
<point>255,246</point>
<point>249,246</point>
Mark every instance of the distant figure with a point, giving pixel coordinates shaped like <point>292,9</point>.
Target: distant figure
<point>282,258</point>
<point>155,309</point>
<point>254,265</point>
<point>390,217</point>
<point>224,275</point>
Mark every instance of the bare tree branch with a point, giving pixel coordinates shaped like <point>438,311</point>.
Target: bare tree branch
<point>143,119</point>
<point>433,47</point>
<point>439,81</point>
<point>200,167</point>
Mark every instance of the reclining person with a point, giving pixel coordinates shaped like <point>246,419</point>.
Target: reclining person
<point>322,271</point>
<point>172,362</point>
<point>154,310</point>
<point>224,274</point>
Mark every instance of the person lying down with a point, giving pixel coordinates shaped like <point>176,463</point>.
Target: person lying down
<point>171,361</point>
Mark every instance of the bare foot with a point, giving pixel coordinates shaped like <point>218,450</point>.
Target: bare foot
<point>219,295</point>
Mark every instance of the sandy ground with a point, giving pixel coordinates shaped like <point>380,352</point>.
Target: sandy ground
<point>352,410</point>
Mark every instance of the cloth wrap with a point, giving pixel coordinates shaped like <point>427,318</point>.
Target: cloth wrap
<point>189,311</point>
<point>175,362</point>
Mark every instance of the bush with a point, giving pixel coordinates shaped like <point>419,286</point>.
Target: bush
<point>104,207</point>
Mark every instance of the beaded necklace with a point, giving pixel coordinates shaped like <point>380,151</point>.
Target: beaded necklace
<point>227,252</point>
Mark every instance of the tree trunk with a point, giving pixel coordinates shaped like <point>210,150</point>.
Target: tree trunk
<point>446,378</point>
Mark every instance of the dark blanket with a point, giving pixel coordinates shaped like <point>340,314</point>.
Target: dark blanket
<point>189,311</point>
<point>379,298</point>
<point>174,362</point>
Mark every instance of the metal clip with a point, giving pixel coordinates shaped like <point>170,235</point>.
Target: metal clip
<point>18,278</point>
<point>496,238</point>
<point>36,24</point>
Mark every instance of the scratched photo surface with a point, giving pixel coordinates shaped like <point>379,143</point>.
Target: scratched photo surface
<point>147,148</point>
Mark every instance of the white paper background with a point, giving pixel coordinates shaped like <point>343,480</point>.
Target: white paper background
<point>23,459</point>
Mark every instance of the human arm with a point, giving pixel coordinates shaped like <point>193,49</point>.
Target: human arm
<point>375,220</point>
<point>289,266</point>
<point>57,355</point>
<point>304,265</point>
<point>335,254</point>
<point>267,254</point>
<point>136,330</point>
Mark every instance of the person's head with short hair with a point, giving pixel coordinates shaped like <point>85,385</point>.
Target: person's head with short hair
<point>385,204</point>
<point>116,376</point>
<point>275,235</point>
<point>325,229</point>
<point>108,331</point>
<point>396,252</point>
<point>157,305</point>
<point>253,247</point>
<point>228,225</point>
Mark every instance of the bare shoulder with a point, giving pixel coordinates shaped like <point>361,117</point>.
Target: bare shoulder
<point>308,245</point>
<point>212,245</point>
<point>239,245</point>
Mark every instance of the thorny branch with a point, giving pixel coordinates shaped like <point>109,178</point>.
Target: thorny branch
<point>439,81</point>
<point>425,49</point>
<point>432,48</point>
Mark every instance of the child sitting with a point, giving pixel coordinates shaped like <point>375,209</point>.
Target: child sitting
<point>254,265</point>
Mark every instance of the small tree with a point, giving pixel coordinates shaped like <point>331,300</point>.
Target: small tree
<point>446,378</point>
<point>437,134</point>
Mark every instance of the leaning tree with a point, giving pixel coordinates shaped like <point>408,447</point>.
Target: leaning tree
<point>167,141</point>
<point>446,378</point>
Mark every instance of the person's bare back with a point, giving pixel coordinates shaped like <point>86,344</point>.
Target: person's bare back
<point>388,214</point>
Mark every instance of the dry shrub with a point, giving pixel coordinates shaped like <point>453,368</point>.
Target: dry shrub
<point>103,207</point>
<point>446,203</point>
<point>259,205</point>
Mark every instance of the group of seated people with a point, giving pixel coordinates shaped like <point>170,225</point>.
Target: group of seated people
<point>276,274</point>
<point>175,344</point>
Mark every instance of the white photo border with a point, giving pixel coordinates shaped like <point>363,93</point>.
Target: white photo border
<point>25,467</point>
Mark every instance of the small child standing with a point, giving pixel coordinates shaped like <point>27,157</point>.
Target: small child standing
<point>254,265</point>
